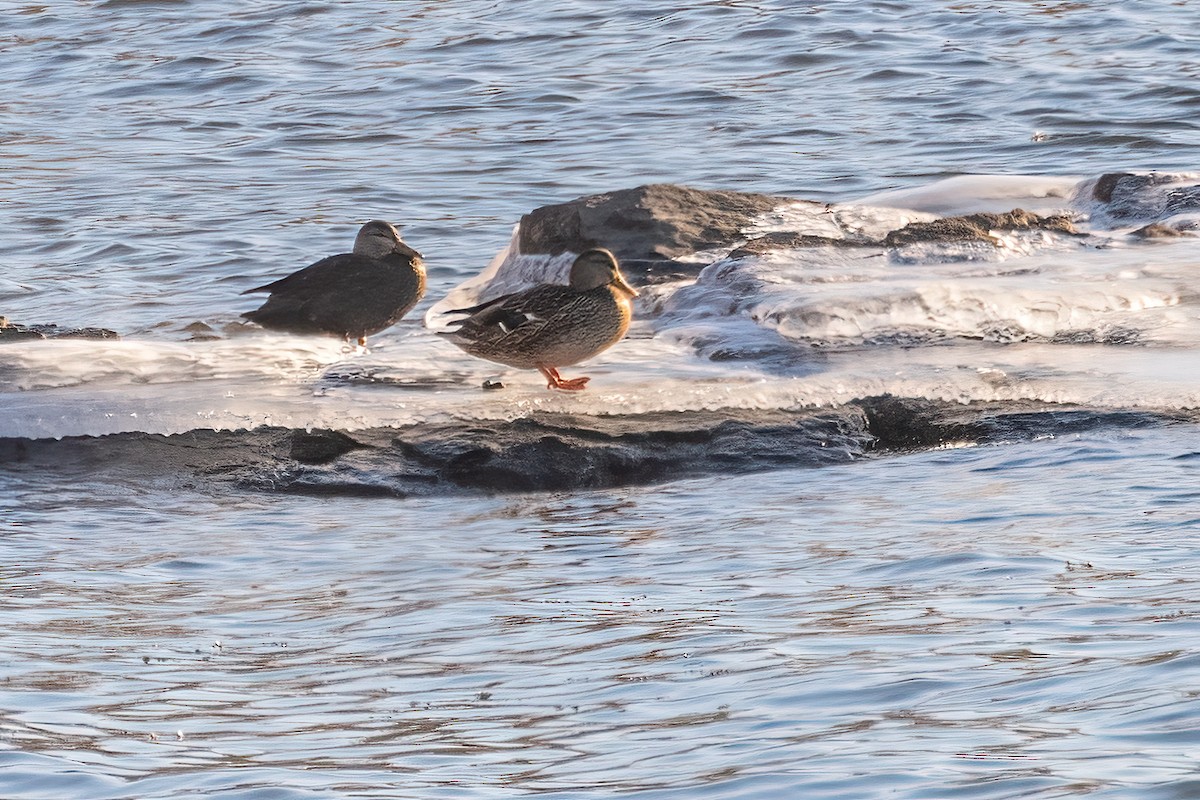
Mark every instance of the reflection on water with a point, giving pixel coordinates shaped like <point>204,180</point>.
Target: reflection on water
<point>937,624</point>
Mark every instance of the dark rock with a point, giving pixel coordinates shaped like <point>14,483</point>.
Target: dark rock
<point>320,446</point>
<point>201,332</point>
<point>542,452</point>
<point>793,241</point>
<point>648,227</point>
<point>1183,200</point>
<point>1106,185</point>
<point>11,332</point>
<point>54,332</point>
<point>1156,230</point>
<point>16,333</point>
<point>651,228</point>
<point>559,452</point>
<point>900,423</point>
<point>976,227</point>
<point>549,452</point>
<point>1129,196</point>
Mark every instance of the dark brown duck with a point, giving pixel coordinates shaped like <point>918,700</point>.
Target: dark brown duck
<point>351,295</point>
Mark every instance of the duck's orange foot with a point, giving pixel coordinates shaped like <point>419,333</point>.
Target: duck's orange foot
<point>573,384</point>
<point>556,381</point>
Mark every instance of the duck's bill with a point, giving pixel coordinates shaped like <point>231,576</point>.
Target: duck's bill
<point>625,287</point>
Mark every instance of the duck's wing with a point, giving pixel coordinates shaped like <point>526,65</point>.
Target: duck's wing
<point>475,309</point>
<point>495,312</point>
<point>335,272</point>
<point>521,313</point>
<point>321,273</point>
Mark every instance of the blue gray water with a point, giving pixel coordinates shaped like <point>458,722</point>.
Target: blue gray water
<point>155,151</point>
<point>990,622</point>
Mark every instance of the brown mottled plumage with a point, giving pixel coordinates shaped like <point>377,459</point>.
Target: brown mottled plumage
<point>352,295</point>
<point>551,326</point>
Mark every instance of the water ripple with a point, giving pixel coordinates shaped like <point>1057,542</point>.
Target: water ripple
<point>612,642</point>
<point>552,98</point>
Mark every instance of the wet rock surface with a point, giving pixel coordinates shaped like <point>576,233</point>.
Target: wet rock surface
<point>792,241</point>
<point>1157,230</point>
<point>1126,196</point>
<point>549,451</point>
<point>13,332</point>
<point>976,227</point>
<point>647,227</point>
<point>650,228</point>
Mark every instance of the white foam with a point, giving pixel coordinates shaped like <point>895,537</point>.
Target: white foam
<point>967,194</point>
<point>853,222</point>
<point>35,365</point>
<point>1120,294</point>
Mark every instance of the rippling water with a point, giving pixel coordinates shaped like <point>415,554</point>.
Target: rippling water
<point>157,151</point>
<point>997,622</point>
<point>991,622</point>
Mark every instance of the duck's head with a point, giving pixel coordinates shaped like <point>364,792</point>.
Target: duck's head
<point>598,267</point>
<point>378,238</point>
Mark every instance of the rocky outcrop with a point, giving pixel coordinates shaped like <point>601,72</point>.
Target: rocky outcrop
<point>967,228</point>
<point>547,451</point>
<point>793,241</point>
<point>650,227</point>
<point>976,228</point>
<point>647,227</point>
<point>12,332</point>
<point>1157,230</point>
<point>1127,196</point>
<point>657,221</point>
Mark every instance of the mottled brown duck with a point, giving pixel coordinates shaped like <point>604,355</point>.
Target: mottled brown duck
<point>551,326</point>
<point>352,295</point>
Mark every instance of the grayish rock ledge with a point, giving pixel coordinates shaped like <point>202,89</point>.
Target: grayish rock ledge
<point>548,452</point>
